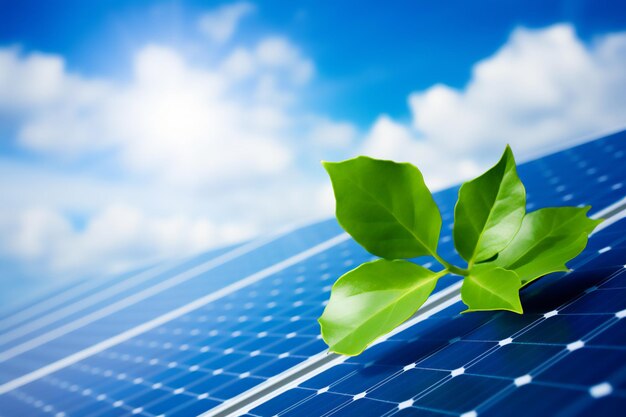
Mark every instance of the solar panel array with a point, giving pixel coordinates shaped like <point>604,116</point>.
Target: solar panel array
<point>186,338</point>
<point>82,297</point>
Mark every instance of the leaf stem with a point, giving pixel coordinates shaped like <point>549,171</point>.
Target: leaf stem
<point>453,269</point>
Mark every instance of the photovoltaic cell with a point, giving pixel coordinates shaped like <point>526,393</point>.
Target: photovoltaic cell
<point>213,353</point>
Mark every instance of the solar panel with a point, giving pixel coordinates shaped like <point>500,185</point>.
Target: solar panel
<point>177,288</point>
<point>85,295</point>
<point>565,355</point>
<point>201,335</point>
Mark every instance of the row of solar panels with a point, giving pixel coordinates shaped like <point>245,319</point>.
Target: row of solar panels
<point>200,335</point>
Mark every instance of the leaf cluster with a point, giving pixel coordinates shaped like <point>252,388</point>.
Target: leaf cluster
<point>388,209</point>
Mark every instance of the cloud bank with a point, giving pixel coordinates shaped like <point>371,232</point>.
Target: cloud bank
<point>542,88</point>
<point>175,121</point>
<point>178,158</point>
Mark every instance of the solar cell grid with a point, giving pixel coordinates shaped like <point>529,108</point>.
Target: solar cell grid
<point>59,302</point>
<point>593,173</point>
<point>258,344</point>
<point>39,306</point>
<point>177,290</point>
<point>491,363</point>
<point>197,361</point>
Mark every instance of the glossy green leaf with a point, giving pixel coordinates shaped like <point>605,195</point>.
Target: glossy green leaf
<point>548,238</point>
<point>372,300</point>
<point>488,287</point>
<point>489,211</point>
<point>385,206</point>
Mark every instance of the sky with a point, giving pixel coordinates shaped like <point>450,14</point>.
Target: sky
<point>136,132</point>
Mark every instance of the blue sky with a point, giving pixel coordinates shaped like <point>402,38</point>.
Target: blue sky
<point>133,132</point>
<point>368,56</point>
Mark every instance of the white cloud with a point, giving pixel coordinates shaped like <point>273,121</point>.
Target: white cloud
<point>277,52</point>
<point>32,233</point>
<point>219,25</point>
<point>273,58</point>
<point>543,87</point>
<point>37,81</point>
<point>331,134</point>
<point>183,124</point>
<point>178,158</point>
<point>389,139</point>
<point>116,238</point>
<point>46,74</point>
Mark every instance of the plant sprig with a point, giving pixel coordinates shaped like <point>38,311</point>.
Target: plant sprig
<point>388,209</point>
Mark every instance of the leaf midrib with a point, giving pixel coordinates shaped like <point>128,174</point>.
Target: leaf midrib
<point>392,303</point>
<point>553,227</point>
<point>388,210</point>
<point>493,203</point>
<point>477,282</point>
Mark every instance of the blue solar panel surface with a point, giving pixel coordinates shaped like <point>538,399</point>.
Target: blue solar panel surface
<point>565,355</point>
<point>152,300</point>
<point>222,348</point>
<point>80,298</point>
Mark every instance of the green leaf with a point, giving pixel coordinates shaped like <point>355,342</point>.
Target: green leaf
<point>372,300</point>
<point>488,287</point>
<point>489,211</point>
<point>385,206</point>
<point>548,238</point>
